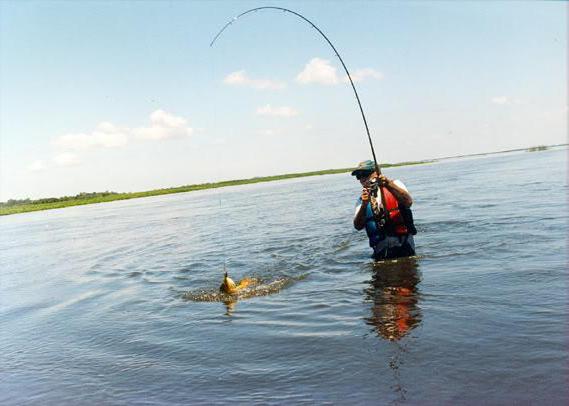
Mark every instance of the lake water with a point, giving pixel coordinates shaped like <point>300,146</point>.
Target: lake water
<point>95,301</point>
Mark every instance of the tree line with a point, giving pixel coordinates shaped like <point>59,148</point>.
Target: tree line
<point>80,196</point>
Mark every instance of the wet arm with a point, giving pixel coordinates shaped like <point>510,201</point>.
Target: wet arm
<point>360,217</point>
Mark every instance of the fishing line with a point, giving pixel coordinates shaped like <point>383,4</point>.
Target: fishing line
<point>223,225</point>
<point>329,43</point>
<point>229,23</point>
<point>223,237</point>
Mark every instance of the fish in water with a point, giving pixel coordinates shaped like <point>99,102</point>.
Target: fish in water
<point>228,286</point>
<point>229,291</point>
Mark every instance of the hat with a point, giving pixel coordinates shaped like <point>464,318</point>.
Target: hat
<point>364,166</point>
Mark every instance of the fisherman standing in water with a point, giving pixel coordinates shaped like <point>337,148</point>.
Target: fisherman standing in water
<point>390,231</point>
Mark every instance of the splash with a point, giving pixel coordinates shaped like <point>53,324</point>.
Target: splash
<point>259,288</point>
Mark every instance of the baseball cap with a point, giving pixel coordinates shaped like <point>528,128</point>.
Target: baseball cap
<point>364,167</point>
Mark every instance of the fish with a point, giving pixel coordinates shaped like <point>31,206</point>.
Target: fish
<point>229,287</point>
<point>230,292</point>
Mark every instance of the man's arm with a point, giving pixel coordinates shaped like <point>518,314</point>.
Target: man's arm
<point>360,217</point>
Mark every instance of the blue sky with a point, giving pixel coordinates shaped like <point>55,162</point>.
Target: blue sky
<point>128,96</point>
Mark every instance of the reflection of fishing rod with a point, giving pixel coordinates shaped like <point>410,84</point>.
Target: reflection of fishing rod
<point>337,54</point>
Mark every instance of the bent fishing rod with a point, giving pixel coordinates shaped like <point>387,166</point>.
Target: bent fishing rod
<point>286,10</point>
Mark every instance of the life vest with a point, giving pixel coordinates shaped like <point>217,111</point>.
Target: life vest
<point>398,223</point>
<point>395,223</point>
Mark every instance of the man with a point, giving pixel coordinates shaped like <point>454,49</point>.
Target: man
<point>390,231</point>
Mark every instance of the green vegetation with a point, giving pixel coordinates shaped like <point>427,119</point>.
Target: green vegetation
<point>26,205</point>
<point>537,148</point>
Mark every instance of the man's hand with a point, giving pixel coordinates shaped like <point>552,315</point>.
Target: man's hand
<point>365,196</point>
<point>360,218</point>
<point>383,180</point>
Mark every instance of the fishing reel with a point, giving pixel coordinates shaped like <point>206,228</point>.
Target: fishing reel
<point>372,186</point>
<point>378,213</point>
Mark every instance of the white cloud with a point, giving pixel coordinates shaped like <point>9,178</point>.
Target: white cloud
<point>360,75</point>
<point>322,72</point>
<point>37,166</point>
<point>163,119</point>
<point>106,135</point>
<point>283,111</point>
<point>73,141</point>
<point>109,136</point>
<point>239,78</point>
<point>164,126</point>
<point>66,159</point>
<point>500,100</point>
<point>318,71</point>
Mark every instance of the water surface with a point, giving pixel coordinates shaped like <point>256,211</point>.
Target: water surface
<point>94,306</point>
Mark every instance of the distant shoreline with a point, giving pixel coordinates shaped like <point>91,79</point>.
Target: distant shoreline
<point>27,205</point>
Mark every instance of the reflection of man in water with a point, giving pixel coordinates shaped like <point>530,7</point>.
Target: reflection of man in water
<point>394,294</point>
<point>390,231</point>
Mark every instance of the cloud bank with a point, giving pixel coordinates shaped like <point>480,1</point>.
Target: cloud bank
<point>163,126</point>
<point>359,75</point>
<point>240,78</point>
<point>66,159</point>
<point>320,71</point>
<point>105,135</point>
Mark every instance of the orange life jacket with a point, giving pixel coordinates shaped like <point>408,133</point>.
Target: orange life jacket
<point>396,222</point>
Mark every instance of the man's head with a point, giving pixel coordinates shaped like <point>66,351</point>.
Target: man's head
<point>364,170</point>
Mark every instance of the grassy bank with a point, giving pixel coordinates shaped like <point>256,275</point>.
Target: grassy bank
<point>26,205</point>
<point>23,206</point>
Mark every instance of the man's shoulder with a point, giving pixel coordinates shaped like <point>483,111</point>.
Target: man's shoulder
<point>400,184</point>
